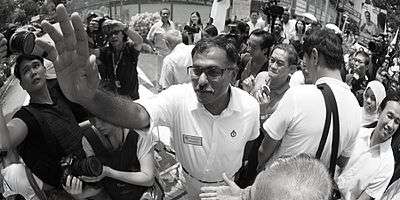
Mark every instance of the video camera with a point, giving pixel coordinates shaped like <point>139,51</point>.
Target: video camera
<point>71,165</point>
<point>272,11</point>
<point>378,48</point>
<point>98,35</point>
<point>20,40</point>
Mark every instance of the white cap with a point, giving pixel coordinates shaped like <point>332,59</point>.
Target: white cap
<point>334,28</point>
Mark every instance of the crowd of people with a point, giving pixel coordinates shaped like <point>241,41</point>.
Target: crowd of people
<point>268,109</point>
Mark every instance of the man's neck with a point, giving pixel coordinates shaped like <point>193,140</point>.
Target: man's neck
<point>41,96</point>
<point>216,108</point>
<point>374,139</point>
<point>325,72</point>
<point>277,84</point>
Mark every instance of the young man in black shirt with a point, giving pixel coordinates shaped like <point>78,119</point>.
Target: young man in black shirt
<point>46,130</point>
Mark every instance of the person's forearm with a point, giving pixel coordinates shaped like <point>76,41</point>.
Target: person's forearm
<point>135,178</point>
<point>5,140</point>
<point>134,36</point>
<point>266,150</point>
<point>118,110</point>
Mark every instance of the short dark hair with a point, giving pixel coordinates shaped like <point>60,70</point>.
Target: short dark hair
<point>266,37</point>
<point>220,42</point>
<point>328,44</point>
<point>365,55</point>
<point>293,57</point>
<point>391,96</point>
<point>211,30</point>
<point>22,58</point>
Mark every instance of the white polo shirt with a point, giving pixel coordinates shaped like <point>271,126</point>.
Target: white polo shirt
<point>174,66</point>
<point>369,168</point>
<point>206,145</point>
<point>300,117</point>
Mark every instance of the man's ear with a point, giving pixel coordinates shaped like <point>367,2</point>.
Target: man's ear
<point>292,69</point>
<point>234,74</point>
<point>315,56</point>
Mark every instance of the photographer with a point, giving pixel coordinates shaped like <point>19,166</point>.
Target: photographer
<point>96,37</point>
<point>46,131</point>
<point>119,59</point>
<point>127,157</point>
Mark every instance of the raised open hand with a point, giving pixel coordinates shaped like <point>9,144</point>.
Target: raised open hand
<point>227,192</point>
<point>76,71</point>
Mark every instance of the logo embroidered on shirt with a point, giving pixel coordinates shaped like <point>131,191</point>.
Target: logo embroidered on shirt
<point>233,133</point>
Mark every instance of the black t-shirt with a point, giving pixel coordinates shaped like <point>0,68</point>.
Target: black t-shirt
<point>125,78</point>
<point>42,152</point>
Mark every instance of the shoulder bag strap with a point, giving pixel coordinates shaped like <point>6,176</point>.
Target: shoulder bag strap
<point>331,104</point>
<point>336,134</point>
<point>39,193</point>
<point>327,121</point>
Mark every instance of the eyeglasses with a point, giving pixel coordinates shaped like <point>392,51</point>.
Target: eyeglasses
<point>211,72</point>
<point>114,32</point>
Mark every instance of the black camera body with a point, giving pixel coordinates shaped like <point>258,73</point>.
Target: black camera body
<point>71,165</point>
<point>20,40</point>
<point>99,37</point>
<point>272,11</point>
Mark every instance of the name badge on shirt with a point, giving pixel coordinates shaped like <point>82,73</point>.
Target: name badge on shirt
<point>193,140</point>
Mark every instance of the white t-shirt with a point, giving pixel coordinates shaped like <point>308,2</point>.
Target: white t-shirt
<point>206,145</point>
<point>16,182</point>
<point>300,117</point>
<point>174,66</point>
<point>393,192</point>
<point>369,168</point>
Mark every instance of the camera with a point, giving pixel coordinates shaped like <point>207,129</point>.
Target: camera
<point>71,165</point>
<point>95,31</point>
<point>272,12</point>
<point>378,48</point>
<point>20,40</point>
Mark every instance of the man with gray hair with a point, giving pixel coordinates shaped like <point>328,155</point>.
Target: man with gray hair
<point>174,65</point>
<point>291,178</point>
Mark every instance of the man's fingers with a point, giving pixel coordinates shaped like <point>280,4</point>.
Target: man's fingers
<point>93,72</point>
<point>55,35</point>
<point>82,48</point>
<point>227,180</point>
<point>66,27</point>
<point>45,49</point>
<point>209,198</point>
<point>207,195</point>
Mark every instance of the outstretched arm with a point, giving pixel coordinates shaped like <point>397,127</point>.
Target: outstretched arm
<point>78,75</point>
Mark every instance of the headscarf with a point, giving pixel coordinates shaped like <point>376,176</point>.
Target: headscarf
<point>380,93</point>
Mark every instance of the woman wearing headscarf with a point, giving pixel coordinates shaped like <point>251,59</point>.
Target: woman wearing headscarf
<point>373,96</point>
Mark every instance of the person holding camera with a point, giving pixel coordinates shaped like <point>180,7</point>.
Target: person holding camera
<point>118,60</point>
<point>45,132</point>
<point>357,78</point>
<point>127,158</point>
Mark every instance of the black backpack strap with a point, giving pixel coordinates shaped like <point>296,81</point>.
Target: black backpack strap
<point>331,105</point>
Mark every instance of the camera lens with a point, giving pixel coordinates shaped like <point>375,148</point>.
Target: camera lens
<point>22,42</point>
<point>90,166</point>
